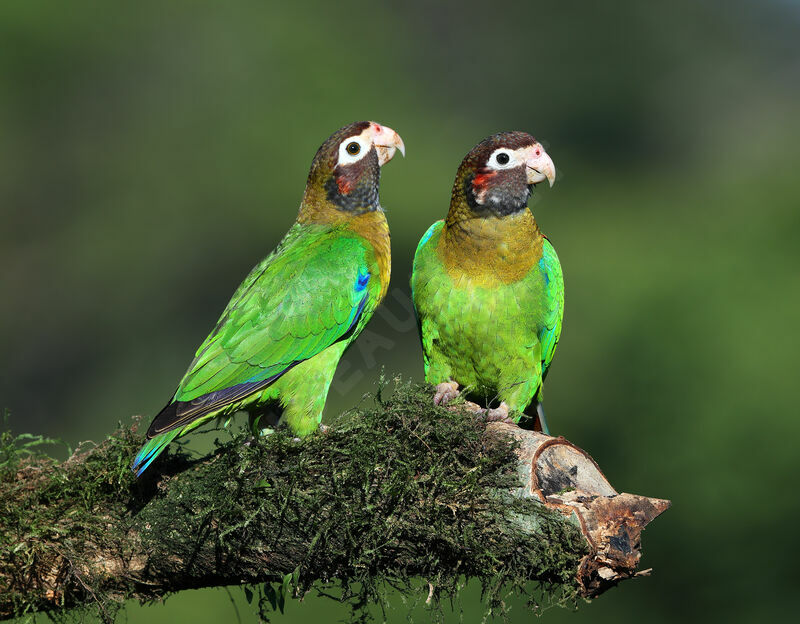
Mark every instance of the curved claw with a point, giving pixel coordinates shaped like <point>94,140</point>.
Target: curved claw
<point>498,414</point>
<point>445,392</point>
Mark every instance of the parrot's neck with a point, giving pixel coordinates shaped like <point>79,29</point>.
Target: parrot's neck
<point>491,249</point>
<point>343,193</point>
<point>371,226</point>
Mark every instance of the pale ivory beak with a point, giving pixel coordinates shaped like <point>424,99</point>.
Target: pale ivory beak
<point>386,141</point>
<point>540,165</point>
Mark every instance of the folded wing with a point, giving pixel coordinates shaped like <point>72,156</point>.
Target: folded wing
<point>307,295</point>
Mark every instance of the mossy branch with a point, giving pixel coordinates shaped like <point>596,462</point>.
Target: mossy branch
<point>389,494</point>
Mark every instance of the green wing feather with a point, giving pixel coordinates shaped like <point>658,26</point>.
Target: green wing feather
<point>552,304</point>
<point>301,299</point>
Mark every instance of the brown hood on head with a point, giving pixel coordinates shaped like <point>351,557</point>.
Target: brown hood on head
<point>496,176</point>
<point>345,172</point>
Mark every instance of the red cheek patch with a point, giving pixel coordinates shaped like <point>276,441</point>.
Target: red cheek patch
<point>345,186</point>
<point>480,180</point>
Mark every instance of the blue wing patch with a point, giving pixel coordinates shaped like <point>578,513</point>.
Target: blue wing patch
<point>361,285</point>
<point>427,234</point>
<point>362,280</point>
<point>543,267</point>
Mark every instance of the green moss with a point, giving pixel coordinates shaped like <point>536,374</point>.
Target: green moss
<point>391,493</point>
<point>50,509</point>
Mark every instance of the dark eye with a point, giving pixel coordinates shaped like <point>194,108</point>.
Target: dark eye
<point>353,148</point>
<point>502,158</point>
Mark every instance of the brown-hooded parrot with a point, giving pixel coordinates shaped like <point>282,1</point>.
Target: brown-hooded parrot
<point>487,285</point>
<point>281,336</point>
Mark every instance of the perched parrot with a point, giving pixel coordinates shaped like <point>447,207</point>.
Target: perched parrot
<point>279,340</point>
<point>487,285</point>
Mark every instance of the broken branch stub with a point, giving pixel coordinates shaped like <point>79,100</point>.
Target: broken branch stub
<point>566,479</point>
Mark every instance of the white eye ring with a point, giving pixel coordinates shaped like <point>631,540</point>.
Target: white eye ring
<point>352,150</point>
<point>500,155</point>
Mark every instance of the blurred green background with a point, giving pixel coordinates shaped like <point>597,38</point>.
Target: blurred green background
<point>151,153</point>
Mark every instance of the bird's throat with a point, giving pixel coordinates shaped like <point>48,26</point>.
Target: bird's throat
<point>488,250</point>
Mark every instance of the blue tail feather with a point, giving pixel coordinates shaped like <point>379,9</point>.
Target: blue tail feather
<point>151,450</point>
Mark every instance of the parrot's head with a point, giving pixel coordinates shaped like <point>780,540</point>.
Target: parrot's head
<point>346,170</point>
<point>497,175</point>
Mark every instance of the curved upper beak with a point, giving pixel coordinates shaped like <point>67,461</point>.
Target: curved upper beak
<point>386,142</point>
<point>540,165</point>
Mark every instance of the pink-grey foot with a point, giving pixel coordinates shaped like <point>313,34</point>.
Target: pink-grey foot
<point>445,392</point>
<point>498,414</point>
